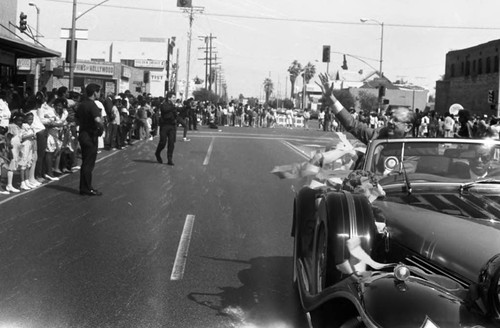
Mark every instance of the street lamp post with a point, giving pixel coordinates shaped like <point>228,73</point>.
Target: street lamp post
<point>37,20</point>
<point>381,40</point>
<point>381,88</point>
<point>72,42</point>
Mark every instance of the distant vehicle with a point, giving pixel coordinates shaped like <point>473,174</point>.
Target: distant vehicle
<point>427,254</point>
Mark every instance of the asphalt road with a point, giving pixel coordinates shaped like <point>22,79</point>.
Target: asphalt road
<point>205,243</point>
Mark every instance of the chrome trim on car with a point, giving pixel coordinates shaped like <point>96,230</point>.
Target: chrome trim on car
<point>352,214</point>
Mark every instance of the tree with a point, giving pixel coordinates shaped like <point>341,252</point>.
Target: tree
<point>343,96</point>
<point>206,95</point>
<point>309,72</point>
<point>268,88</point>
<point>307,75</point>
<point>288,103</point>
<point>367,101</point>
<point>294,71</point>
<point>252,102</point>
<point>281,103</point>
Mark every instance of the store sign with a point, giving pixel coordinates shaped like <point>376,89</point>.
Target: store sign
<point>149,63</point>
<point>156,77</point>
<point>93,69</point>
<point>24,64</point>
<point>126,72</point>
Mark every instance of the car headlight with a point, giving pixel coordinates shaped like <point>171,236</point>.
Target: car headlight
<point>489,280</point>
<point>401,272</point>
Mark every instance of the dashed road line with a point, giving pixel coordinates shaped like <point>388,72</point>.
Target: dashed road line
<point>182,250</point>
<point>209,152</point>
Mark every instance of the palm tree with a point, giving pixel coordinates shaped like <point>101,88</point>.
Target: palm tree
<point>309,71</point>
<point>307,75</point>
<point>268,88</point>
<point>294,71</point>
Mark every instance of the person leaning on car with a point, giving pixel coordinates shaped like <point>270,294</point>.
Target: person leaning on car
<point>400,125</point>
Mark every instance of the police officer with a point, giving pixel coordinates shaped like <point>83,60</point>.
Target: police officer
<point>168,128</point>
<point>88,116</point>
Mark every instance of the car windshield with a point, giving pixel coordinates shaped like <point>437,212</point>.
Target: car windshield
<point>440,160</point>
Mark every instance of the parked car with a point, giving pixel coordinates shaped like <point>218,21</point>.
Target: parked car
<point>427,254</point>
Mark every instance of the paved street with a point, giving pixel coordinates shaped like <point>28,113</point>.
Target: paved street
<point>205,243</point>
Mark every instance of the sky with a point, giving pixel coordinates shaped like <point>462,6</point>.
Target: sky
<point>259,39</point>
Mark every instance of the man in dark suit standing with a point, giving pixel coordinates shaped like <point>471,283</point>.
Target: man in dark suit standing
<point>168,128</point>
<point>88,116</point>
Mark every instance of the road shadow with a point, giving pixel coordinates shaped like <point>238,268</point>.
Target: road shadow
<point>62,189</point>
<point>266,299</point>
<point>149,161</point>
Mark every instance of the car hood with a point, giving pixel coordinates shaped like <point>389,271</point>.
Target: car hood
<point>459,231</point>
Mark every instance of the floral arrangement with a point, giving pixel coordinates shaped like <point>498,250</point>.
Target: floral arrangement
<point>332,169</point>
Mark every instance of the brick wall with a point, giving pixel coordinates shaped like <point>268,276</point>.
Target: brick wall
<point>468,79</point>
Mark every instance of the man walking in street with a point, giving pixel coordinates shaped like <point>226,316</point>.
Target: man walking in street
<point>88,116</point>
<point>168,128</point>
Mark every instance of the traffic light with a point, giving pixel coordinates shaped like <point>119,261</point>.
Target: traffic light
<point>491,96</point>
<point>326,54</point>
<point>184,3</point>
<point>23,23</point>
<point>381,91</point>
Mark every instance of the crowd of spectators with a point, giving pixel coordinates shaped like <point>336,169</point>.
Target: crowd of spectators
<point>431,124</point>
<point>38,133</point>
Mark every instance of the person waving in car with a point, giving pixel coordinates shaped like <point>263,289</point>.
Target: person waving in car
<point>399,125</point>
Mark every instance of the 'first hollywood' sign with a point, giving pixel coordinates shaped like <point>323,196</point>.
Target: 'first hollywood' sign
<point>94,69</point>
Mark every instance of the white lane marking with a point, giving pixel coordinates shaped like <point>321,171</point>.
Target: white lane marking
<point>296,149</point>
<point>182,250</point>
<point>209,152</point>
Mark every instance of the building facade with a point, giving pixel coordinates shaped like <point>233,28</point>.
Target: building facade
<point>146,60</point>
<point>16,46</point>
<point>471,77</point>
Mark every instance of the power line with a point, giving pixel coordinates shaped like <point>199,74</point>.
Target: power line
<point>296,20</point>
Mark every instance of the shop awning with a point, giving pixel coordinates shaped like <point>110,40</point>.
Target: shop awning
<point>23,49</point>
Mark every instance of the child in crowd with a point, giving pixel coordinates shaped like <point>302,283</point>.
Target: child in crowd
<point>14,138</point>
<point>27,154</point>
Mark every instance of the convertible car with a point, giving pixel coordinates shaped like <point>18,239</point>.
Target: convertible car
<point>426,254</point>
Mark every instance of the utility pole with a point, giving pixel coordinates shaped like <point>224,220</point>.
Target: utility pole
<point>191,11</point>
<point>206,63</point>
<point>210,70</point>
<point>72,47</point>
<point>176,72</point>
<point>209,53</point>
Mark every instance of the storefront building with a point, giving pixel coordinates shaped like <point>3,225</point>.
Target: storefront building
<point>14,47</point>
<point>112,77</point>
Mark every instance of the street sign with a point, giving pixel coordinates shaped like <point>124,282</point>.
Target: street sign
<point>80,34</point>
